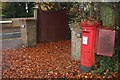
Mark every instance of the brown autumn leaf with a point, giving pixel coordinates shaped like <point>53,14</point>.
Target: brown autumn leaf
<point>45,60</point>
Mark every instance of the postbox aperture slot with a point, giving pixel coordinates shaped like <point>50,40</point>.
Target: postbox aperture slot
<point>86,31</point>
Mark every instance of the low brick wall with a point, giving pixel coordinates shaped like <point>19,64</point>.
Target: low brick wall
<point>75,41</point>
<point>27,28</point>
<point>15,22</point>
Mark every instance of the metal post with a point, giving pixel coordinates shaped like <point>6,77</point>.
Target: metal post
<point>35,10</point>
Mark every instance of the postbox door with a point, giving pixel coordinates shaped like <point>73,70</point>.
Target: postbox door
<point>87,58</point>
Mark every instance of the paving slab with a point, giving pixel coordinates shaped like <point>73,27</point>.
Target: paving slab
<point>10,43</point>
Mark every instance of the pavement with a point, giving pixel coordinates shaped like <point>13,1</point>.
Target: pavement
<point>10,43</point>
<point>10,40</point>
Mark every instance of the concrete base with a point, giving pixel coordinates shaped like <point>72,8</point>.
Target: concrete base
<point>86,69</point>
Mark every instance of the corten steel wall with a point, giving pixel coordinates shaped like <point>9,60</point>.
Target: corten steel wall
<point>52,26</point>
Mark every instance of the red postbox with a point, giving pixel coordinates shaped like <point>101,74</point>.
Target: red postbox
<point>88,45</point>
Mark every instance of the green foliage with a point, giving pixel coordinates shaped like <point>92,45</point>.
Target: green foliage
<point>108,64</point>
<point>76,10</point>
<point>17,9</point>
<point>118,52</point>
<point>106,14</point>
<point>54,6</point>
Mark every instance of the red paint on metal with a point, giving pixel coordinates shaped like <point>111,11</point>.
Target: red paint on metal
<point>88,43</point>
<point>87,52</point>
<point>105,42</point>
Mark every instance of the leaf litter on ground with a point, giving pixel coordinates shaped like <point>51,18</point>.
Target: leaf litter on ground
<point>45,60</point>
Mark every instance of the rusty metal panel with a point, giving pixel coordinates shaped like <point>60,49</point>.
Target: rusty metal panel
<point>52,26</point>
<point>105,42</point>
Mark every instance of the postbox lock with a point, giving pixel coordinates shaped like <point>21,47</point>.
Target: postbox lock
<point>86,31</point>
